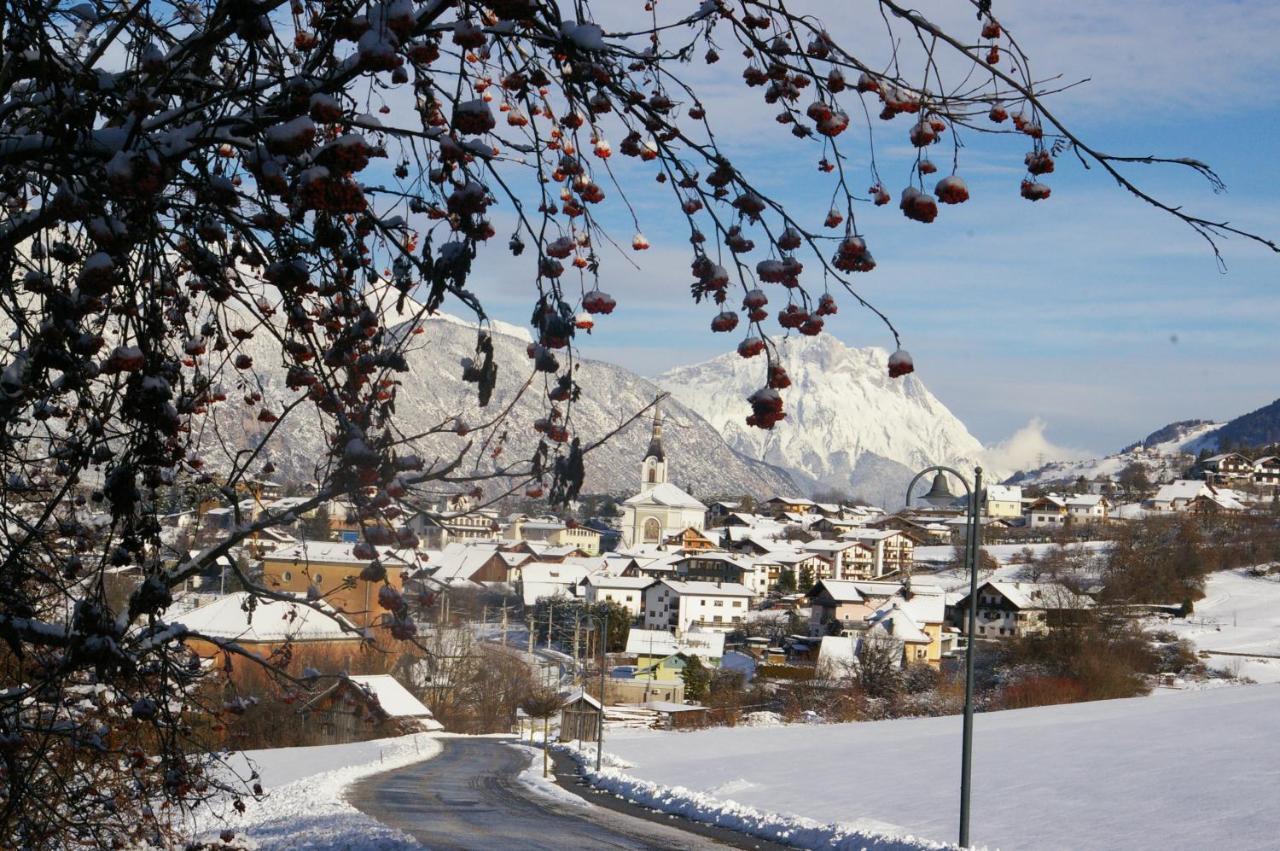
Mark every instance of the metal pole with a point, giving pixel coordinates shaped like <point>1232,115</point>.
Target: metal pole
<point>604,628</point>
<point>974,538</point>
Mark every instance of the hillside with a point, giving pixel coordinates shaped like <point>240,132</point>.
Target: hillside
<point>1166,454</point>
<point>1256,428</point>
<point>433,393</point>
<point>1185,770</point>
<point>849,426</point>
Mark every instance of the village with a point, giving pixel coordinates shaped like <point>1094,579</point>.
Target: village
<point>709,612</point>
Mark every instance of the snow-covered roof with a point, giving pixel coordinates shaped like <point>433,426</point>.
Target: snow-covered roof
<point>1182,489</point>
<point>336,552</point>
<point>578,694</point>
<point>621,582</point>
<point>1085,500</point>
<point>657,642</point>
<point>842,591</point>
<point>838,651</point>
<point>707,589</point>
<point>394,698</point>
<point>1039,595</point>
<point>666,494</point>
<point>1004,493</point>
<point>894,621</point>
<point>269,621</point>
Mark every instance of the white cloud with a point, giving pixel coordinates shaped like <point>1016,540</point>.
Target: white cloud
<point>1026,449</point>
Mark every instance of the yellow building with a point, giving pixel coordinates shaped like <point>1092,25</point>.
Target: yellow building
<point>333,568</point>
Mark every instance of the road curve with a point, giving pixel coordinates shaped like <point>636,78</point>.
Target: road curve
<point>468,797</point>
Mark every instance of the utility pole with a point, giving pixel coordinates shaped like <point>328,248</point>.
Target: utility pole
<point>504,624</point>
<point>551,610</point>
<point>577,623</point>
<point>530,635</point>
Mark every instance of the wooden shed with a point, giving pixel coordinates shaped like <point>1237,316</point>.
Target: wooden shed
<point>579,718</point>
<point>366,707</point>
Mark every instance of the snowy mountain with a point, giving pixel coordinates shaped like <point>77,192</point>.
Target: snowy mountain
<point>434,393</point>
<point>1165,453</point>
<point>848,426</point>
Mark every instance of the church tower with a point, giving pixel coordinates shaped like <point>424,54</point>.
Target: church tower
<point>653,469</point>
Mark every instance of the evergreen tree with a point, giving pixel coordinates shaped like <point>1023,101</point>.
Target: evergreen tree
<point>786,581</point>
<point>806,579</point>
<point>697,678</point>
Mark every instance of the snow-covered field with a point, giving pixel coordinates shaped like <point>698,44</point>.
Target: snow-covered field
<point>1240,613</point>
<point>305,806</point>
<point>1009,557</point>
<point>1193,770</point>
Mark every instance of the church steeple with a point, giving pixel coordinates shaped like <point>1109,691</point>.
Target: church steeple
<point>653,468</point>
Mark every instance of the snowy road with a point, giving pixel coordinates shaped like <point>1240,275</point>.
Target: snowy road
<point>468,797</point>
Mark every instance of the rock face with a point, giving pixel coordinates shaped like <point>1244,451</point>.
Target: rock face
<point>849,426</point>
<point>433,394</point>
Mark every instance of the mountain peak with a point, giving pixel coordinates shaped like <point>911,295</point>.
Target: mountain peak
<point>843,410</point>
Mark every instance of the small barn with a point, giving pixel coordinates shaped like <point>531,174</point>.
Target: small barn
<point>356,708</point>
<point>580,717</point>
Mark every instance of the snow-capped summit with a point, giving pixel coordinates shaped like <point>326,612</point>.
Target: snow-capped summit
<point>848,426</point>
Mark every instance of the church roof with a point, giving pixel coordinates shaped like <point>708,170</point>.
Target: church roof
<point>666,494</point>
<point>655,448</point>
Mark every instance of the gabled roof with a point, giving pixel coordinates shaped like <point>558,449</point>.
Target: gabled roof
<point>578,694</point>
<point>229,618</point>
<point>1086,500</point>
<point>707,589</point>
<point>895,622</point>
<point>841,591</point>
<point>1004,493</point>
<point>666,494</point>
<point>394,699</point>
<point>620,582</point>
<point>656,642</point>
<point>336,552</point>
<point>1187,489</point>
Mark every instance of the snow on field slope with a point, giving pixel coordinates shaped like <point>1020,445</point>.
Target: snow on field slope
<point>305,808</point>
<point>1194,770</point>
<point>1240,613</point>
<point>1166,454</point>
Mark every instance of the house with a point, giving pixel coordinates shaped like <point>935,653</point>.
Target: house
<point>338,573</point>
<point>652,645</point>
<point>558,534</point>
<point>551,579</point>
<point>438,529</point>
<point>264,625</point>
<point>1017,609</point>
<point>678,606</point>
<point>660,509</point>
<point>690,540</point>
<point>625,591</point>
<point>1048,511</point>
<point>1266,471</point>
<point>481,563</point>
<point>719,511</point>
<point>1088,508</point>
<point>880,552</point>
<point>1003,501</point>
<point>1178,495</point>
<point>1228,467</point>
<point>356,708</point>
<point>790,505</point>
<point>917,612</point>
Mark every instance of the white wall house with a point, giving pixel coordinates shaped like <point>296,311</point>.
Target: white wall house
<point>625,591</point>
<point>1088,508</point>
<point>1047,512</point>
<point>678,606</point>
<point>1004,501</point>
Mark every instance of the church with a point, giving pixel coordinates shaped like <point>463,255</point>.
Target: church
<point>661,508</point>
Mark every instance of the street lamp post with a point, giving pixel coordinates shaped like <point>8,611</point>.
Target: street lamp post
<point>940,494</point>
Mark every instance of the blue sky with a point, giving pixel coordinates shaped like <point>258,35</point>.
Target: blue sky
<point>1091,311</point>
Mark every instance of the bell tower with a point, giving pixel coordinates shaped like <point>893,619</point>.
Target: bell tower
<point>653,468</point>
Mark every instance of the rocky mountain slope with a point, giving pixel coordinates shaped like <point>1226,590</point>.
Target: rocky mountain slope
<point>434,393</point>
<point>849,426</point>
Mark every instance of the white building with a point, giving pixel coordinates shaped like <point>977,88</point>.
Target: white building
<point>625,591</point>
<point>677,606</point>
<point>1004,501</point>
<point>1088,508</point>
<point>660,509</point>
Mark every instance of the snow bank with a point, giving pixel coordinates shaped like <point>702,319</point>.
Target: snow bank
<point>305,806</point>
<point>864,835</point>
<point>1188,770</point>
<point>531,778</point>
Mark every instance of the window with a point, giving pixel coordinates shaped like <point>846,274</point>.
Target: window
<point>718,619</point>
<point>287,576</point>
<point>737,604</point>
<point>719,602</point>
